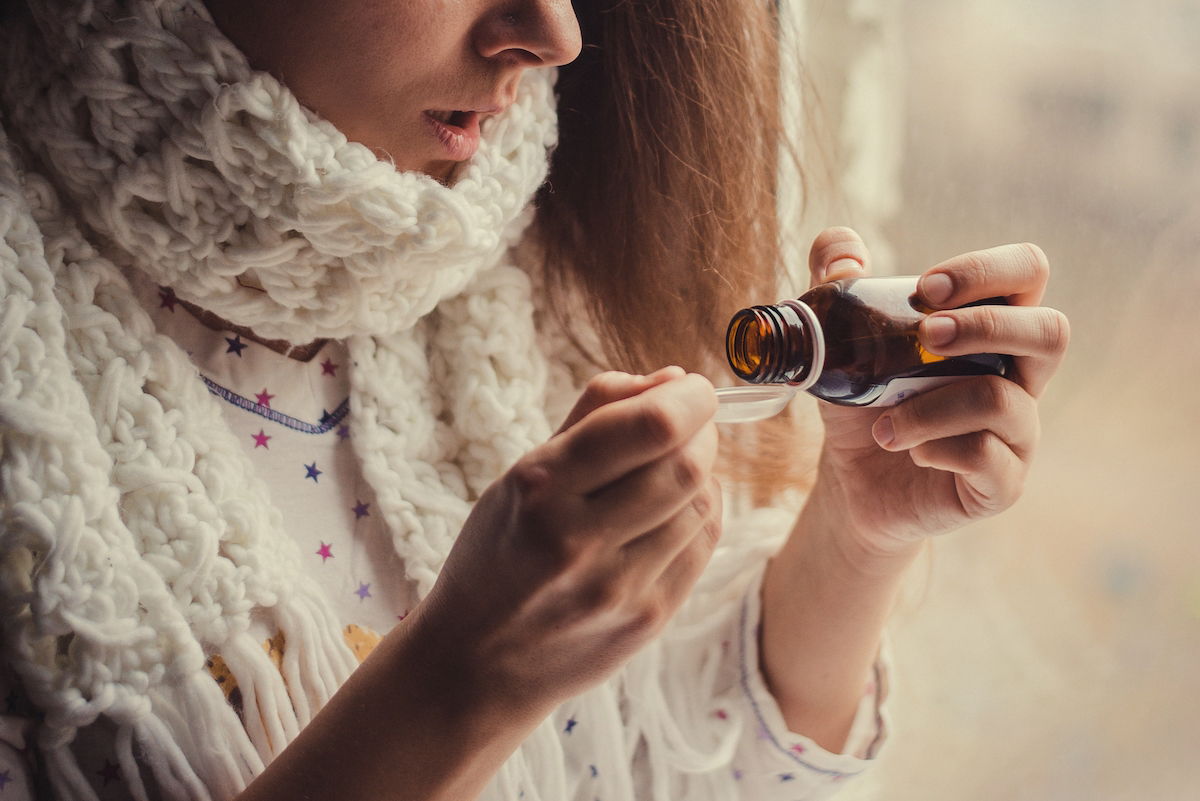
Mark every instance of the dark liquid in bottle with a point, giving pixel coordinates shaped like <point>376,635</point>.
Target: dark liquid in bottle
<point>870,332</point>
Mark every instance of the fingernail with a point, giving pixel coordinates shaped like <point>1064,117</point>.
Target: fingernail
<point>841,268</point>
<point>937,287</point>
<point>940,330</point>
<point>664,372</point>
<point>884,431</point>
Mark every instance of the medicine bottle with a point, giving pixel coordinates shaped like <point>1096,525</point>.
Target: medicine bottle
<point>852,342</point>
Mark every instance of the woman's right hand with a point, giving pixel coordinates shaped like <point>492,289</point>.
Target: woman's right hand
<point>579,555</point>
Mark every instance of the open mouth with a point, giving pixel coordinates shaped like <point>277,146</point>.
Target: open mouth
<point>456,118</point>
<point>457,131</point>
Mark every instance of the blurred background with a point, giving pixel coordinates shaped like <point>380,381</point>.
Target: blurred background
<point>1054,652</point>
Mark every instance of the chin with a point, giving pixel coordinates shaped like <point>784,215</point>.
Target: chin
<point>441,171</point>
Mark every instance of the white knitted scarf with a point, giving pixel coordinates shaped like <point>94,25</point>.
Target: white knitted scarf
<point>137,145</point>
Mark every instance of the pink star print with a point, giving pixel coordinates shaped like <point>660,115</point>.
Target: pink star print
<point>260,439</point>
<point>325,551</point>
<point>264,398</point>
<point>799,749</point>
<point>328,367</point>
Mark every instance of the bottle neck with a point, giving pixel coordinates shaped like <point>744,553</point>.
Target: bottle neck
<point>776,344</point>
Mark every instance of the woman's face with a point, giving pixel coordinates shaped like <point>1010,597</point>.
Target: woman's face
<point>411,79</point>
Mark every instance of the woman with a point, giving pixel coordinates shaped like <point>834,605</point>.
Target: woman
<point>568,625</point>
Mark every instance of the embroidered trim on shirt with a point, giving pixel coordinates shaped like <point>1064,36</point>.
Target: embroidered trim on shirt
<point>327,423</point>
<point>762,723</point>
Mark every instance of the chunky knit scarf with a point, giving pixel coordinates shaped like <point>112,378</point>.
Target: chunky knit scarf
<point>137,145</point>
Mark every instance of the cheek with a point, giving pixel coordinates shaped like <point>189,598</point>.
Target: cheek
<point>370,67</point>
<point>362,65</point>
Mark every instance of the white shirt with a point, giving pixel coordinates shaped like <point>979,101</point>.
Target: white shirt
<point>291,417</point>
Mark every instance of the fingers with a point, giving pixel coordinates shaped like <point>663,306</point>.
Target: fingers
<point>983,430</point>
<point>613,386</point>
<point>838,253</point>
<point>1037,336</point>
<point>1016,272</point>
<point>984,404</point>
<point>988,473</point>
<point>622,436</point>
<point>655,492</point>
<point>675,570</point>
<point>648,556</point>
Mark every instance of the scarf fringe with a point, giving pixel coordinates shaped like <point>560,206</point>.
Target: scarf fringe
<point>267,710</point>
<point>320,661</point>
<point>157,511</point>
<point>209,734</point>
<point>65,776</point>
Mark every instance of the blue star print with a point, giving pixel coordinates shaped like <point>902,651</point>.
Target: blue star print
<point>570,725</point>
<point>236,345</point>
<point>312,472</point>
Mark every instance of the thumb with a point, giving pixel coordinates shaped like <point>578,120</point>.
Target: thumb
<point>613,386</point>
<point>838,253</point>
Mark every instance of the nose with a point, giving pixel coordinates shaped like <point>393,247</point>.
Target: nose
<point>531,33</point>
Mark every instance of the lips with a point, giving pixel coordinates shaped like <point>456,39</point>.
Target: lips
<point>451,118</point>
<point>456,131</point>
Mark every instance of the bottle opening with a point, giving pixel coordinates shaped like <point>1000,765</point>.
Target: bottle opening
<point>746,343</point>
<point>775,344</point>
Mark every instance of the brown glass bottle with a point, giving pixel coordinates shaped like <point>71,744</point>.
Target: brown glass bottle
<point>852,342</point>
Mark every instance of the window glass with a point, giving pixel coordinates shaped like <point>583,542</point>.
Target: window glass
<point>1052,652</point>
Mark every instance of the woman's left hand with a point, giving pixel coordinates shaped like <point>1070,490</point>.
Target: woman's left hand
<point>959,452</point>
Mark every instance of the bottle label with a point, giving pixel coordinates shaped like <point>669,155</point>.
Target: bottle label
<point>901,389</point>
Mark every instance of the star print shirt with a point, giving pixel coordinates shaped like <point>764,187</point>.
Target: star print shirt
<point>291,416</point>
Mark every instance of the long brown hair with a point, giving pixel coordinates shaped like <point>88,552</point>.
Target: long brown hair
<point>661,203</point>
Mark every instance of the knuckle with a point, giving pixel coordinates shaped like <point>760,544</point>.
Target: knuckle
<point>603,385</point>
<point>709,503</point>
<point>535,520</point>
<point>710,533</point>
<point>602,596</point>
<point>658,425</point>
<point>978,451</point>
<point>1036,258</point>
<point>975,267</point>
<point>913,414</point>
<point>650,618</point>
<point>529,478</point>
<point>920,455</point>
<point>690,474</point>
<point>1056,331</point>
<point>702,505</point>
<point>996,395</point>
<point>987,323</point>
